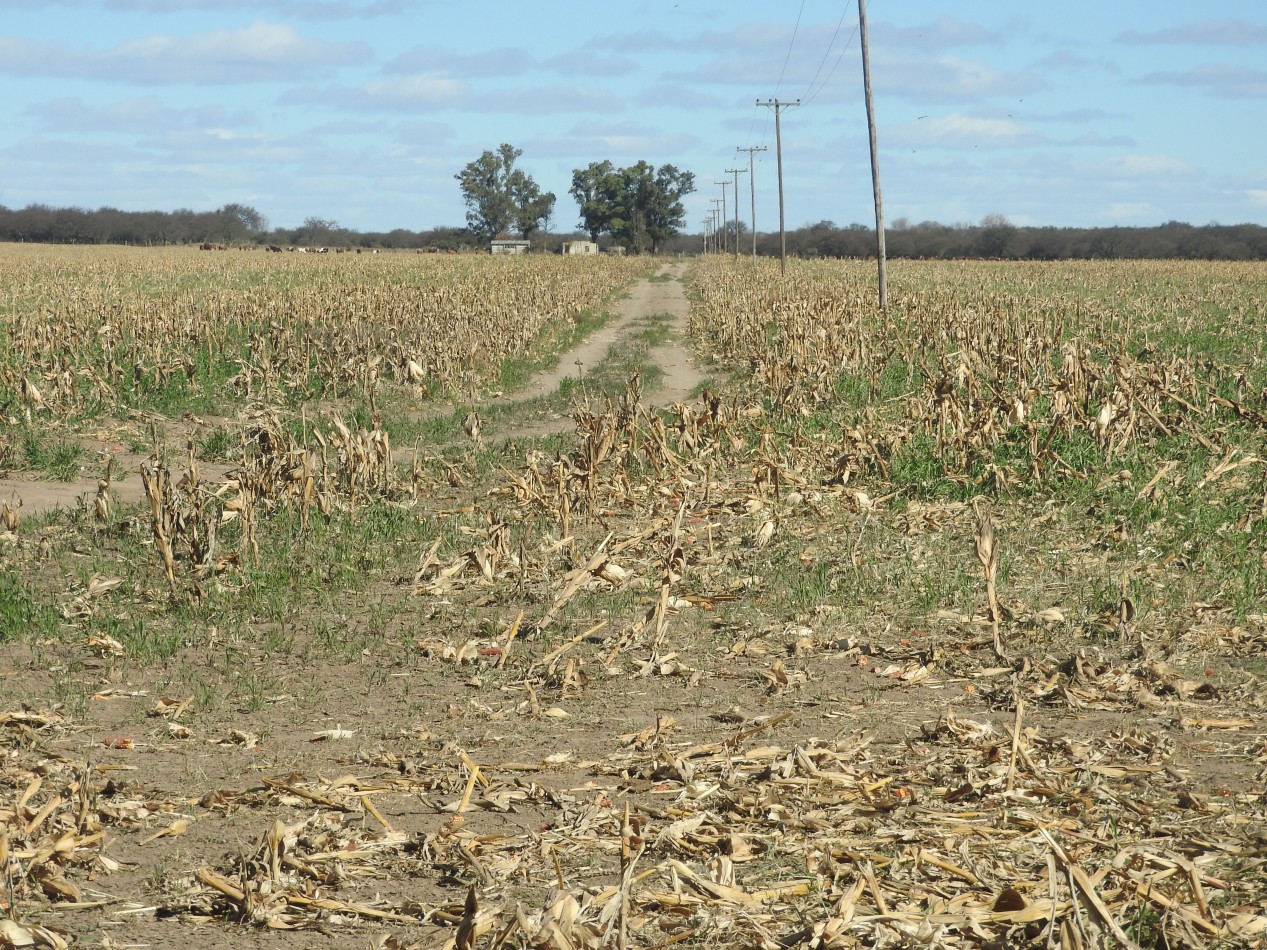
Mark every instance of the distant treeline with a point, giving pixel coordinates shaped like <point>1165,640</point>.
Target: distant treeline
<point>993,237</point>
<point>233,224</point>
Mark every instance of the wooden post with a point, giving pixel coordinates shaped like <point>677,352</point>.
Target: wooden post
<point>875,159</point>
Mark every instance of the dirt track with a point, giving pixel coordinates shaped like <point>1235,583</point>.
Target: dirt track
<point>646,299</point>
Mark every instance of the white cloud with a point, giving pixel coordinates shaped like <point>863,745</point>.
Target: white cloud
<point>544,100</point>
<point>1138,167</point>
<point>943,78</point>
<point>1126,212</point>
<point>1218,32</point>
<point>398,94</point>
<point>941,33</point>
<point>142,114</point>
<point>619,141</point>
<point>411,90</point>
<point>435,60</point>
<point>260,52</point>
<point>294,9</point>
<point>957,130</point>
<point>1220,79</point>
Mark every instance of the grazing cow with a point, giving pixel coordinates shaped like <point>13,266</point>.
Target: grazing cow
<point>206,246</point>
<point>273,248</point>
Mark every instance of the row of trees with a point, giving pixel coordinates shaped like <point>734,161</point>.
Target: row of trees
<point>41,223</point>
<point>639,207</point>
<point>233,224</point>
<point>608,217</point>
<point>996,237</point>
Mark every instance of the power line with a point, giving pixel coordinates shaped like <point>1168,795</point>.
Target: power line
<point>811,93</point>
<point>786,59</point>
<point>752,185</point>
<point>778,107</point>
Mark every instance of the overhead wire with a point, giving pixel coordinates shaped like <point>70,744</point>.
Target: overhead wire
<point>796,29</point>
<point>810,92</point>
<point>790,46</point>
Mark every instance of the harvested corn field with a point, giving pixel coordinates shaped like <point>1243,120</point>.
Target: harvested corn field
<point>942,626</point>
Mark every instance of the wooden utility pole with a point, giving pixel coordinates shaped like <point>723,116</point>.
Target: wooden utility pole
<point>752,184</point>
<point>875,158</point>
<point>737,172</point>
<point>706,222</point>
<point>716,211</point>
<point>725,239</point>
<point>778,107</point>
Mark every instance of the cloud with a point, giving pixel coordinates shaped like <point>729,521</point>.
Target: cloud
<point>347,127</point>
<point>547,100</point>
<point>586,63</point>
<point>128,116</point>
<point>1067,61</point>
<point>435,60</point>
<point>291,9</point>
<point>1076,115</point>
<point>671,96</point>
<point>944,78</point>
<point>941,33</point>
<point>1241,82</point>
<point>962,131</point>
<point>261,52</point>
<point>619,141</point>
<point>1096,140</point>
<point>399,94</point>
<point>642,41</point>
<point>1209,32</point>
<point>1132,211</point>
<point>411,93</point>
<point>1148,166</point>
<point>1257,196</point>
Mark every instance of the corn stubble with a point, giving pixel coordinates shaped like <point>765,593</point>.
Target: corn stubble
<point>917,466</point>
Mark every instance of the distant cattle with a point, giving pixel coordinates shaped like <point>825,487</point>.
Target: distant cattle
<point>273,248</point>
<point>208,246</point>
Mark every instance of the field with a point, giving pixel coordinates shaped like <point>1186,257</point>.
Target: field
<point>414,601</point>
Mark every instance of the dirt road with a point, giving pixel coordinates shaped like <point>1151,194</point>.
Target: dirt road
<point>647,300</point>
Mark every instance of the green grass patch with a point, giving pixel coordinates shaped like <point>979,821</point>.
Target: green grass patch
<point>56,458</point>
<point>20,614</point>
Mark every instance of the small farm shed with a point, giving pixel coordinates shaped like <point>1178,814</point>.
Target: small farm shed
<point>509,247</point>
<point>580,247</point>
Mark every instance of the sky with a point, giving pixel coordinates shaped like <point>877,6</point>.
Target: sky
<point>1116,112</point>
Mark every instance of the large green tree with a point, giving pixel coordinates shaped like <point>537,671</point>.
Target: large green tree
<point>640,206</point>
<point>500,196</point>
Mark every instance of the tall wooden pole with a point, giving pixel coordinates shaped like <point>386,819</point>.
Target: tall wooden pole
<point>737,172</point>
<point>752,184</point>
<point>875,158</point>
<point>725,224</point>
<point>778,107</point>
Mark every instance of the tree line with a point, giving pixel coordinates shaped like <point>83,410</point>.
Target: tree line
<point>603,218</point>
<point>995,237</point>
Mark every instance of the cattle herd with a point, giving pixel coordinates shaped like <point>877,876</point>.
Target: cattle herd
<point>277,249</point>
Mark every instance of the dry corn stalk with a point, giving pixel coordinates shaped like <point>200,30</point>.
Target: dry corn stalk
<point>987,547</point>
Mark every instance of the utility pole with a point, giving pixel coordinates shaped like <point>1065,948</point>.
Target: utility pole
<point>737,172</point>
<point>705,223</point>
<point>725,239</point>
<point>716,212</point>
<point>752,184</point>
<point>875,158</point>
<point>778,107</point>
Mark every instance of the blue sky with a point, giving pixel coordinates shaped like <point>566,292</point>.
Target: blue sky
<point>361,111</point>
